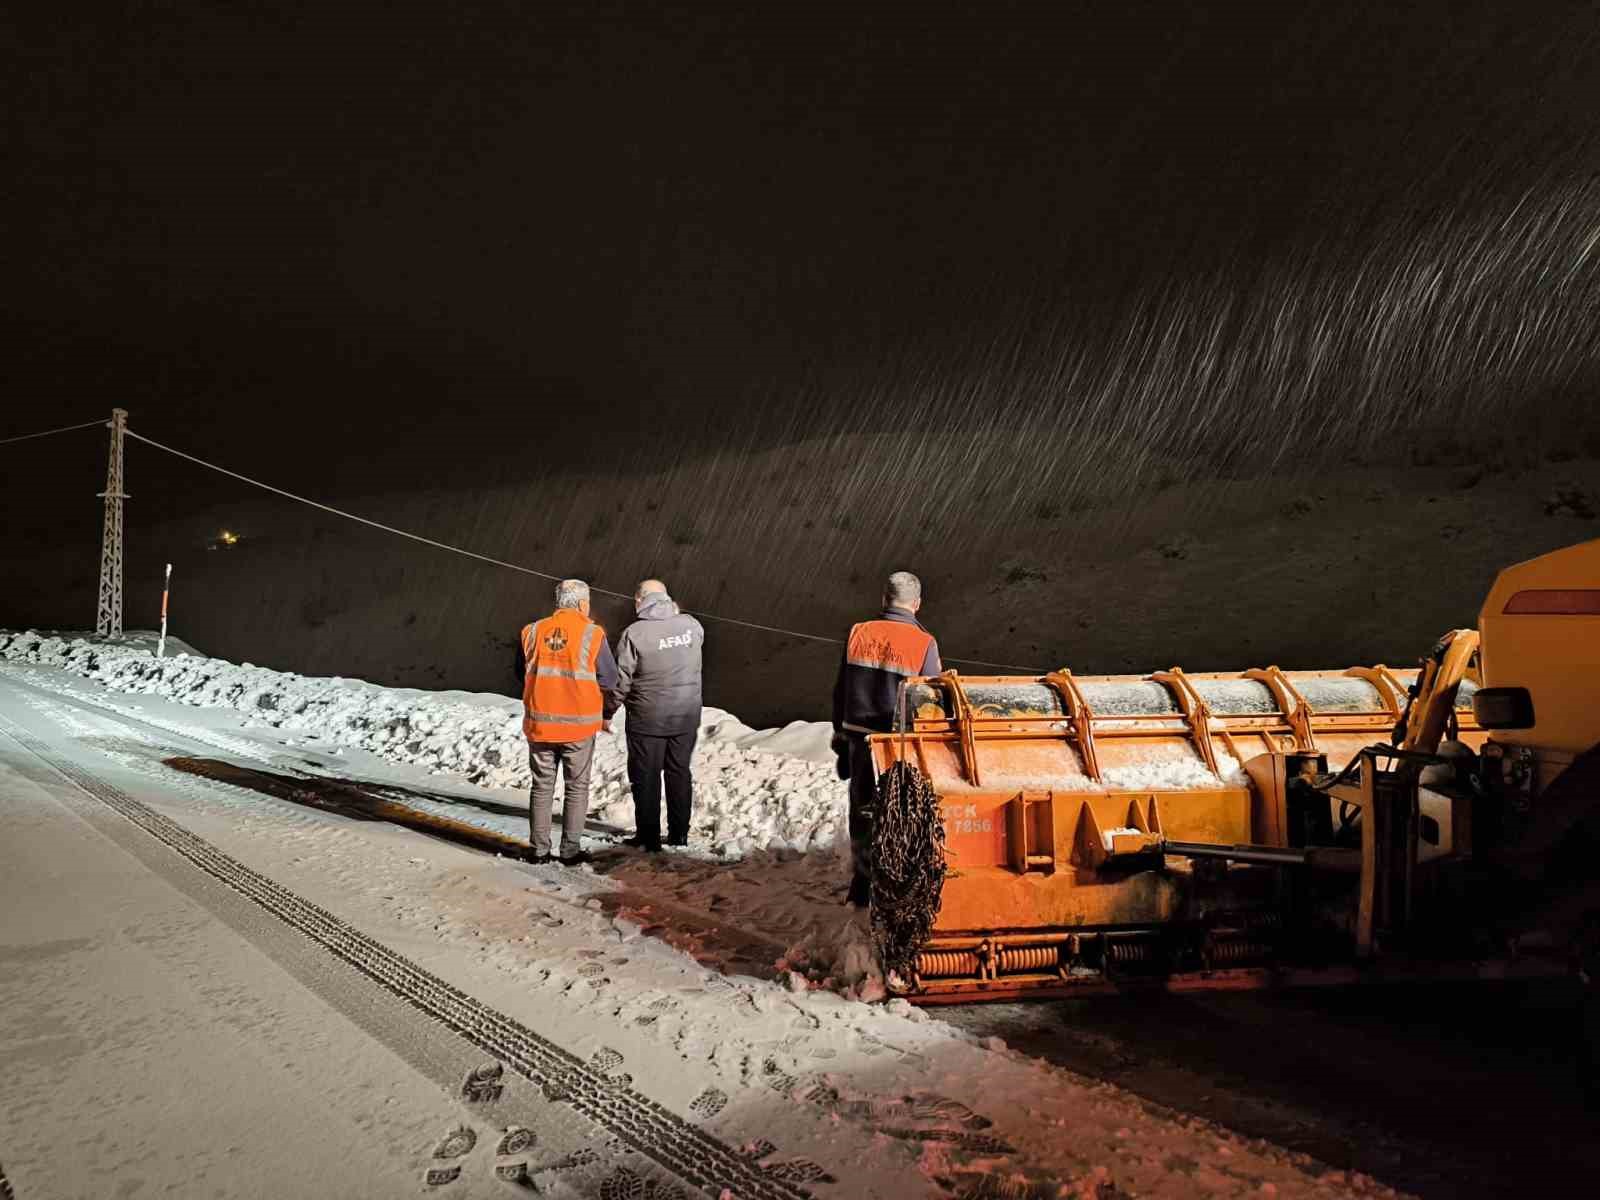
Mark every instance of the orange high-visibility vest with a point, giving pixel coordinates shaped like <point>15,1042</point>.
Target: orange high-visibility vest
<point>892,646</point>
<point>878,658</point>
<point>561,700</point>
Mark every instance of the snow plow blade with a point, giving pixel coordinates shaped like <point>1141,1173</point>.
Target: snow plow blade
<point>1116,829</point>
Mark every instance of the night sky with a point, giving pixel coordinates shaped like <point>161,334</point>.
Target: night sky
<point>478,245</point>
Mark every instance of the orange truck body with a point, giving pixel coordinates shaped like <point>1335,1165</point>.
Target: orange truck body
<point>1234,829</point>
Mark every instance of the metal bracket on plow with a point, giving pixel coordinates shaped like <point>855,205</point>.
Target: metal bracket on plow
<point>1141,835</point>
<point>1030,829</point>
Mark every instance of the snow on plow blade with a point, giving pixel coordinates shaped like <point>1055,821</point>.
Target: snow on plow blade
<point>1109,829</point>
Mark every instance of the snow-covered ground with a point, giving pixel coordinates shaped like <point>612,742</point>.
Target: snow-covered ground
<point>727,972</point>
<point>696,971</point>
<point>768,842</point>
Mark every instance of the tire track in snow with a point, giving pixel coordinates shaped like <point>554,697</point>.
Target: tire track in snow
<point>639,1122</point>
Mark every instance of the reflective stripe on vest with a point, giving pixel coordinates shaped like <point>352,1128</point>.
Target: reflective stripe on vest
<point>891,646</point>
<point>563,673</point>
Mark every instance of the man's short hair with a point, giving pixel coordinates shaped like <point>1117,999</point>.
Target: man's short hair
<point>647,586</point>
<point>570,593</point>
<point>902,589</point>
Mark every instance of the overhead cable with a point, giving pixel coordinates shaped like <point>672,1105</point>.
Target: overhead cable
<point>25,437</point>
<point>500,562</point>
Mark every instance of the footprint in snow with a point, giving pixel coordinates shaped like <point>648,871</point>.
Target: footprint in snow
<point>514,1172</point>
<point>483,1083</point>
<point>623,1184</point>
<point>516,1142</point>
<point>972,1185</point>
<point>797,1170</point>
<point>439,1176</point>
<point>947,1120</point>
<point>708,1103</point>
<point>978,1145</point>
<point>585,1157</point>
<point>790,1170</point>
<point>458,1143</point>
<point>605,1063</point>
<point>938,1108</point>
<point>776,1078</point>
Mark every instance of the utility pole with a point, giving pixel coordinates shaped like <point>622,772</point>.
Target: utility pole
<point>108,620</point>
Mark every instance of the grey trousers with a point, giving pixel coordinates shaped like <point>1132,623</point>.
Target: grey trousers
<point>574,759</point>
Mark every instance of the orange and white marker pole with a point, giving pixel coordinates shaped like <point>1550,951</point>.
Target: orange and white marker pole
<point>166,586</point>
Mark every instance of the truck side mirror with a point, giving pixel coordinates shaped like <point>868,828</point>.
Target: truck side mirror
<point>1503,708</point>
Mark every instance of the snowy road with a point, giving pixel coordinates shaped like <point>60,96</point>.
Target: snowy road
<point>215,989</point>
<point>162,1033</point>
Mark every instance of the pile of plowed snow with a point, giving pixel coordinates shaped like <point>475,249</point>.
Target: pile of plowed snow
<point>754,789</point>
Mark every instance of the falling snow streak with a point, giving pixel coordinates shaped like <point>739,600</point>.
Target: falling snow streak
<point>1419,329</point>
<point>1370,342</point>
<point>1375,340</point>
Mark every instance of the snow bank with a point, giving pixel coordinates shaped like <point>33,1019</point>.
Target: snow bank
<point>754,789</point>
<point>798,739</point>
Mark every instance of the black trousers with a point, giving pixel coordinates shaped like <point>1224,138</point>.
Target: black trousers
<point>649,757</point>
<point>863,807</point>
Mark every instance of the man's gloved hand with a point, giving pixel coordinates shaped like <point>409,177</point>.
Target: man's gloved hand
<point>840,745</point>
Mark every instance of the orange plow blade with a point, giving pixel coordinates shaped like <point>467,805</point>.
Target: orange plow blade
<point>1134,827</point>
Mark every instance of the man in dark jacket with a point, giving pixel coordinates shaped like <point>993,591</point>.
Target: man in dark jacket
<point>879,656</point>
<point>658,679</point>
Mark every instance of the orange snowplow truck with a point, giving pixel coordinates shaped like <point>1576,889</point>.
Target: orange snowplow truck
<point>1234,830</point>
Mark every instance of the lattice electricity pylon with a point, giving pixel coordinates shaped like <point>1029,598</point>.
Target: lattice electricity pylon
<point>108,620</point>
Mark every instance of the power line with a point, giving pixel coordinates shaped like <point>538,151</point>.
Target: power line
<point>500,562</point>
<point>339,512</point>
<point>25,437</point>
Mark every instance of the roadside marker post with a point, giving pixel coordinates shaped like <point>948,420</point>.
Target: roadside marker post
<point>166,586</point>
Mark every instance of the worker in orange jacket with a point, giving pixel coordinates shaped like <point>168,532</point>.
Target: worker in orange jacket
<point>879,656</point>
<point>568,676</point>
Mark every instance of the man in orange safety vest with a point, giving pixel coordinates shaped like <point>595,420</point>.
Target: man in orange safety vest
<point>568,676</point>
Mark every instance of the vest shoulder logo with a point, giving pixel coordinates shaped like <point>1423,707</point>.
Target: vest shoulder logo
<point>556,641</point>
